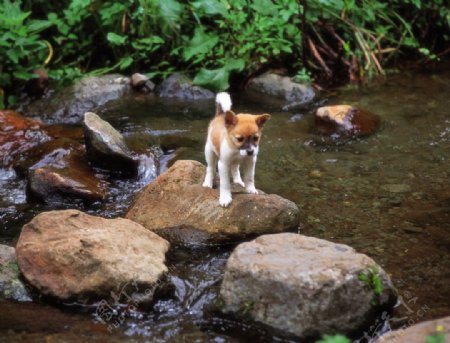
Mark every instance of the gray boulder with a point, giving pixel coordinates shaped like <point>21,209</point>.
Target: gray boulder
<point>177,207</point>
<point>304,286</point>
<point>106,147</point>
<point>275,88</point>
<point>181,87</point>
<point>11,287</point>
<point>72,255</point>
<point>69,104</point>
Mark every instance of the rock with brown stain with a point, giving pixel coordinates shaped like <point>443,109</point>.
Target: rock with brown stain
<point>304,286</point>
<point>177,207</point>
<point>58,170</point>
<point>17,135</point>
<point>345,120</point>
<point>70,255</point>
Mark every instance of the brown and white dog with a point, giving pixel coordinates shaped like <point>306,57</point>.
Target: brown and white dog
<point>232,141</point>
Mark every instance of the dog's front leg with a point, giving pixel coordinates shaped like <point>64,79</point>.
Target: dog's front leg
<point>249,174</point>
<point>225,186</point>
<point>236,175</point>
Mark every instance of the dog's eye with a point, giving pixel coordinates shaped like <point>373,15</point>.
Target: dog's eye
<point>240,139</point>
<point>255,138</point>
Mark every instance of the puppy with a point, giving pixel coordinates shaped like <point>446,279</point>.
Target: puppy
<point>233,140</point>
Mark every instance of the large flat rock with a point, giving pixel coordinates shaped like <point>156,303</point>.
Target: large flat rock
<point>304,286</point>
<point>177,207</point>
<point>72,255</point>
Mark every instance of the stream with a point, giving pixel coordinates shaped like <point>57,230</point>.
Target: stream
<point>386,195</point>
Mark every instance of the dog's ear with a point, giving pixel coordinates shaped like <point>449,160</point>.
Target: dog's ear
<point>230,119</point>
<point>261,119</point>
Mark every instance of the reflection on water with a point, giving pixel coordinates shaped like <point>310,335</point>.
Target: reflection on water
<point>387,195</point>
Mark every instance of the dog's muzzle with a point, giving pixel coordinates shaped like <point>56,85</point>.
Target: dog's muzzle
<point>247,152</point>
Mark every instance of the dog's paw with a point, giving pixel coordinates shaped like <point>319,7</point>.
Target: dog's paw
<point>208,184</point>
<point>225,200</point>
<point>251,190</point>
<point>239,182</point>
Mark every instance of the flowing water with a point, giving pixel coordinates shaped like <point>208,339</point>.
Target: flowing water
<point>387,195</point>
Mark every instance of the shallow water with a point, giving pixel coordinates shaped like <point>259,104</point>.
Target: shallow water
<point>387,195</point>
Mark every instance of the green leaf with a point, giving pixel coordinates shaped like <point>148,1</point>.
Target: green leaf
<point>24,75</point>
<point>334,339</point>
<point>14,54</point>
<point>235,64</point>
<point>201,44</point>
<point>125,62</point>
<point>210,7</point>
<point>116,39</point>
<point>265,7</point>
<point>36,26</point>
<point>214,79</point>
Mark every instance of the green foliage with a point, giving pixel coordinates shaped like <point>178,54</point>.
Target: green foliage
<point>213,39</point>
<point>437,337</point>
<point>371,279</point>
<point>334,339</point>
<point>22,48</point>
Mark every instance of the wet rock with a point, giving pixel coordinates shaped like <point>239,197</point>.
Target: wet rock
<point>11,287</point>
<point>274,87</point>
<point>439,329</point>
<point>69,104</point>
<point>345,120</point>
<point>180,86</point>
<point>177,207</point>
<point>72,255</point>
<point>37,86</point>
<point>304,286</point>
<point>142,83</point>
<point>58,170</point>
<point>106,147</point>
<point>17,135</point>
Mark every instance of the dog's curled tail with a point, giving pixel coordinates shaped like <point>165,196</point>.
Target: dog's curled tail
<point>223,103</point>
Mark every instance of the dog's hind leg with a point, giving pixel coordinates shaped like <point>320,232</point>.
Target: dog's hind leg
<point>211,161</point>
<point>236,175</point>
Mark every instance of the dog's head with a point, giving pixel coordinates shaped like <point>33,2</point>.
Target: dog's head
<point>244,131</point>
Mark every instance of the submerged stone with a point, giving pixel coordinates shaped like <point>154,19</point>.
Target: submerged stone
<point>71,255</point>
<point>345,120</point>
<point>304,286</point>
<point>177,207</point>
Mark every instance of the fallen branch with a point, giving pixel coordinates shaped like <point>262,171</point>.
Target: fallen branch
<point>319,58</point>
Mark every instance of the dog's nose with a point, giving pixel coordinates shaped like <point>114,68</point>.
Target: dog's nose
<point>249,152</point>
